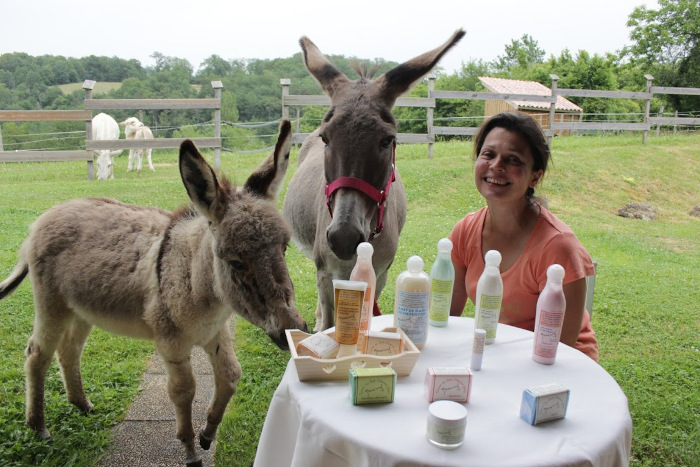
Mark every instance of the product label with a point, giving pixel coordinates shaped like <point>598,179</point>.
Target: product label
<point>548,331</point>
<point>446,435</point>
<point>412,314</point>
<point>367,309</point>
<point>487,314</point>
<point>348,308</point>
<point>440,300</point>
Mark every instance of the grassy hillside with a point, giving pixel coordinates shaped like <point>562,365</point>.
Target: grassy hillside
<point>646,310</point>
<point>100,87</point>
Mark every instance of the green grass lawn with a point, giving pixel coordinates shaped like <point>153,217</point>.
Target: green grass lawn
<point>646,306</point>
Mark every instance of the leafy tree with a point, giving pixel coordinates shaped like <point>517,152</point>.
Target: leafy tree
<point>667,41</point>
<point>520,53</point>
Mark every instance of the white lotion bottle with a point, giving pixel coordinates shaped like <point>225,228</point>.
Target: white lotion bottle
<point>442,280</point>
<point>412,301</point>
<point>489,295</point>
<point>551,306</point>
<point>364,271</point>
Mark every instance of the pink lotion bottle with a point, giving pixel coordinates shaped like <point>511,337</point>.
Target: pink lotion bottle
<point>364,271</point>
<point>551,306</point>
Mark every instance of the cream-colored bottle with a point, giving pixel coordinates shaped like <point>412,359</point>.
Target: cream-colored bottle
<point>412,301</point>
<point>364,271</point>
<point>489,294</point>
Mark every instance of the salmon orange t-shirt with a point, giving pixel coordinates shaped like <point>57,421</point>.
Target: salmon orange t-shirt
<point>550,242</point>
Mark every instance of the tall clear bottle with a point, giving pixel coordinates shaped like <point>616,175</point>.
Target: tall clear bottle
<point>489,295</point>
<point>442,280</point>
<point>551,306</point>
<point>364,271</point>
<point>412,301</point>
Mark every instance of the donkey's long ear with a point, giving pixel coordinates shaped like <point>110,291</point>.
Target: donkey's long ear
<point>327,75</point>
<point>398,80</point>
<point>267,180</point>
<point>202,186</point>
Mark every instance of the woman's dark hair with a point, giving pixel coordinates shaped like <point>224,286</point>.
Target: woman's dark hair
<point>524,125</point>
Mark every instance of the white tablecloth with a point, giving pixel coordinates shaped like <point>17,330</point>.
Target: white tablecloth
<point>314,424</point>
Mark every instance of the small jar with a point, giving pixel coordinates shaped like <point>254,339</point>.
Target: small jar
<point>447,421</point>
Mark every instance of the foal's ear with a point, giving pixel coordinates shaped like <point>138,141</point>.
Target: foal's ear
<point>202,186</point>
<point>330,79</point>
<point>267,180</point>
<point>398,80</point>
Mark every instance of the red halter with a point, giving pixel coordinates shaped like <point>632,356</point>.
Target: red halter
<point>360,185</point>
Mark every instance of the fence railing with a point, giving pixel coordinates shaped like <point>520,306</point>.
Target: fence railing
<point>113,104</point>
<point>555,126</point>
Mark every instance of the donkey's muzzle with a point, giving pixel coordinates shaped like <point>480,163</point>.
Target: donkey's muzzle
<point>343,241</point>
<point>280,338</point>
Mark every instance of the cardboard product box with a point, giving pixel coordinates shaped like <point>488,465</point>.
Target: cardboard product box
<point>382,343</point>
<point>372,385</point>
<point>448,383</point>
<point>544,403</point>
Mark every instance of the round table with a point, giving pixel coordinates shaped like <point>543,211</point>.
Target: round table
<point>315,424</point>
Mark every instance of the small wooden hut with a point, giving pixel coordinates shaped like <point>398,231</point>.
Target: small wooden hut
<point>564,111</point>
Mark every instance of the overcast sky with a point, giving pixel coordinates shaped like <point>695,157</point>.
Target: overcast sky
<point>395,30</point>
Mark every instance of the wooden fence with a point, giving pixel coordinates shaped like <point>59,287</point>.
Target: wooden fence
<point>429,104</point>
<point>114,104</point>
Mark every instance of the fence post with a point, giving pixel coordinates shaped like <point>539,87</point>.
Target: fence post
<point>658,125</point>
<point>88,85</point>
<point>217,85</point>
<point>648,106</point>
<point>285,82</point>
<point>552,108</point>
<point>430,112</point>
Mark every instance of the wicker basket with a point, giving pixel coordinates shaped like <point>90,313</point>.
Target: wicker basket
<point>311,369</point>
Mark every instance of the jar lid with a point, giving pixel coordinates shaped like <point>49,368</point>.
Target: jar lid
<point>447,413</point>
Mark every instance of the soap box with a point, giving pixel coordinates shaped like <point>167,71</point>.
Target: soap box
<point>382,343</point>
<point>544,403</point>
<point>318,345</point>
<point>372,385</point>
<point>448,383</point>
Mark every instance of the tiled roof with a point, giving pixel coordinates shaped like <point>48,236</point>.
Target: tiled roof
<point>514,86</point>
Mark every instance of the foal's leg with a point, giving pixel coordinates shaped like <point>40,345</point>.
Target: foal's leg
<point>132,156</point>
<point>181,390</point>
<point>227,372</point>
<point>139,159</point>
<point>150,162</point>
<point>51,319</point>
<point>69,351</point>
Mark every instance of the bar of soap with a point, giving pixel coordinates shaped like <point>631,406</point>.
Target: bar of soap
<point>319,345</point>
<point>382,343</point>
<point>372,385</point>
<point>544,403</point>
<point>448,383</point>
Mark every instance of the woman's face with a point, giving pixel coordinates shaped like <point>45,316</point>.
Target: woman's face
<point>503,170</point>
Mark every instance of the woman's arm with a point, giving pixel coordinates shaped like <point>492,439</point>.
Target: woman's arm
<point>459,291</point>
<point>575,293</point>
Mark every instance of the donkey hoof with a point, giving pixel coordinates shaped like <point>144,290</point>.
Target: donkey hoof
<point>204,441</point>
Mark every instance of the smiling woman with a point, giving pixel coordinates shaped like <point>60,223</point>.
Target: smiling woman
<point>511,158</point>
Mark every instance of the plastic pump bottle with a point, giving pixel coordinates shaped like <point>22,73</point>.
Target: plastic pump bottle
<point>489,294</point>
<point>412,301</point>
<point>442,280</point>
<point>551,306</point>
<point>364,271</point>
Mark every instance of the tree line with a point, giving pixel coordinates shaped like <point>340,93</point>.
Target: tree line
<point>665,44</point>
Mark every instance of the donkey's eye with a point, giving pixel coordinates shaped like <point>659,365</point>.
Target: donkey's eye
<point>323,138</point>
<point>238,266</point>
<point>387,142</point>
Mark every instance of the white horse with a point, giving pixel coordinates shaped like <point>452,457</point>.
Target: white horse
<point>135,129</point>
<point>105,127</point>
